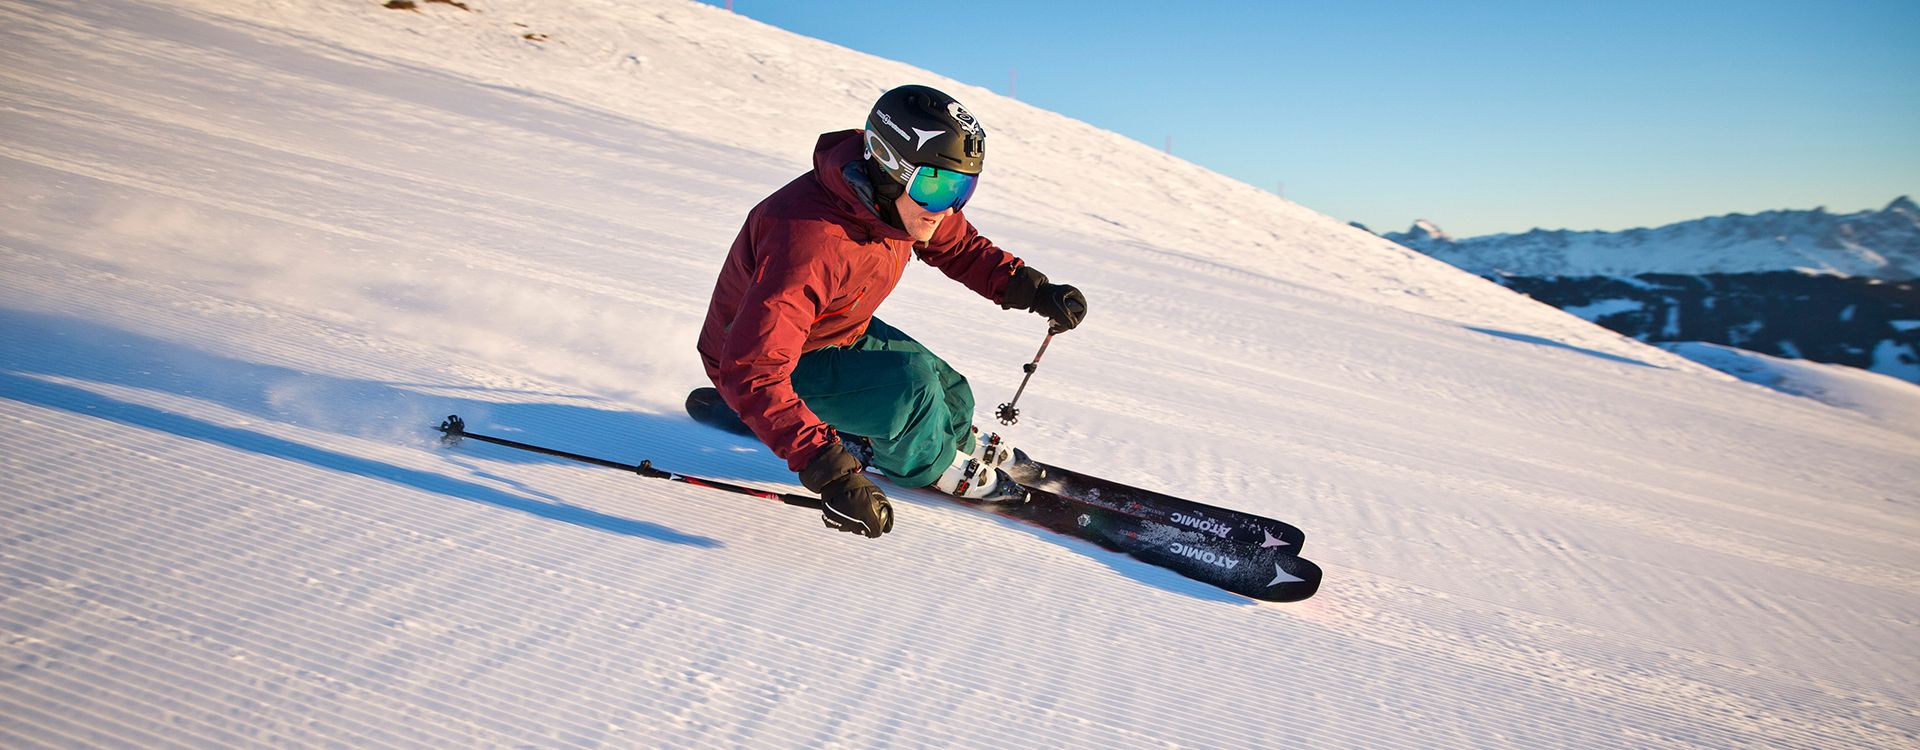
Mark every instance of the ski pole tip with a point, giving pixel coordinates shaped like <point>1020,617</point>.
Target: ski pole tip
<point>452,429</point>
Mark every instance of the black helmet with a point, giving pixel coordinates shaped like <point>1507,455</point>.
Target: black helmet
<point>918,126</point>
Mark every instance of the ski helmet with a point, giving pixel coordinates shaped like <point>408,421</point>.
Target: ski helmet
<point>927,144</point>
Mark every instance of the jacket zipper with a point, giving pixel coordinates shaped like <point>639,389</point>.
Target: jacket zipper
<point>848,306</point>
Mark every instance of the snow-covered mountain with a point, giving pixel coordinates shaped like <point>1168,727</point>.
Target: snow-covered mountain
<point>252,250</point>
<point>1859,322</point>
<point>1796,284</point>
<point>1883,244</point>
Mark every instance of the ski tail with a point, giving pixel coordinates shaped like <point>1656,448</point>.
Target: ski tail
<point>707,407</point>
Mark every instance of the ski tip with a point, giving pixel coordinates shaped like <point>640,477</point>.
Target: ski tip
<point>1294,579</point>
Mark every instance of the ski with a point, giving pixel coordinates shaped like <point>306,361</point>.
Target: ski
<point>1223,523</point>
<point>707,407</point>
<point>1265,573</point>
<point>1256,572</point>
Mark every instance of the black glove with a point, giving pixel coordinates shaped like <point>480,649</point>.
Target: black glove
<point>1064,305</point>
<point>848,500</point>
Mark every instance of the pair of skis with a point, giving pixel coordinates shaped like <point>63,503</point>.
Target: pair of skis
<point>1246,554</point>
<point>1249,555</point>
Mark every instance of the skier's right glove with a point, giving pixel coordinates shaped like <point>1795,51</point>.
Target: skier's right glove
<point>848,500</point>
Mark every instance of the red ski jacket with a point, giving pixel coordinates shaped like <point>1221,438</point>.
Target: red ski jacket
<point>810,266</point>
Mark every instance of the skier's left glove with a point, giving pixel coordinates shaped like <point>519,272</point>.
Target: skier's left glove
<point>1062,304</point>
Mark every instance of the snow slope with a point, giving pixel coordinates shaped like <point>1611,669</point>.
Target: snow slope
<point>251,250</point>
<point>1892,402</point>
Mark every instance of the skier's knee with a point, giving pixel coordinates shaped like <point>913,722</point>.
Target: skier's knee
<point>923,384</point>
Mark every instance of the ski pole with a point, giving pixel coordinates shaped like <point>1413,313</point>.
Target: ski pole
<point>1008,414</point>
<point>454,429</point>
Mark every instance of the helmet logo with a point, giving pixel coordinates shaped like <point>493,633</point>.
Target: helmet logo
<point>919,138</point>
<point>878,150</point>
<point>926,136</point>
<point>889,121</point>
<point>962,116</point>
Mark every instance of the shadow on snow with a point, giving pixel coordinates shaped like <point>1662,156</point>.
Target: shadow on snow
<point>75,350</point>
<point>41,350</point>
<point>1540,341</point>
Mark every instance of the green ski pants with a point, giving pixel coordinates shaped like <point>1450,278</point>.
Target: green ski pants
<point>888,388</point>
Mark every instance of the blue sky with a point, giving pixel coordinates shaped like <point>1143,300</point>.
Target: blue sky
<point>1484,117</point>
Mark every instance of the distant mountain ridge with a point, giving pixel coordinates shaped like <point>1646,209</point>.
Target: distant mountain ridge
<point>1837,288</point>
<point>1883,244</point>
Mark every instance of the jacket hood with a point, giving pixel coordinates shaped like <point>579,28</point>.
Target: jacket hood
<point>831,155</point>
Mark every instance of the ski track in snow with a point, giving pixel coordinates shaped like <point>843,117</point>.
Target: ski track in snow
<point>249,255</point>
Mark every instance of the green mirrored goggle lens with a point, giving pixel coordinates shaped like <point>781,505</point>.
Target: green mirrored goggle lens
<point>938,189</point>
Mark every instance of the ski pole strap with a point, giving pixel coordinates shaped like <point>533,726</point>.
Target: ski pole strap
<point>454,429</point>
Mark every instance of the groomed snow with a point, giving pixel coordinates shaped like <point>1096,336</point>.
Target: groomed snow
<point>250,251</point>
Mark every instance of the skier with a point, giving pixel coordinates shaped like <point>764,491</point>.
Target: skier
<point>790,340</point>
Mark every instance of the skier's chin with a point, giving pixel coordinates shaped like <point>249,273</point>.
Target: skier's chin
<point>919,222</point>
<point>923,228</point>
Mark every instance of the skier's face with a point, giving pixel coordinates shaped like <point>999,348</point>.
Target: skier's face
<point>920,222</point>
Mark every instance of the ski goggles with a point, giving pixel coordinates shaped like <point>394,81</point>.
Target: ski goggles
<point>937,189</point>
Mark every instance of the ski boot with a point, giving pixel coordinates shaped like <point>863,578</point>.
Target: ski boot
<point>989,448</point>
<point>859,446</point>
<point>993,450</point>
<point>970,478</point>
